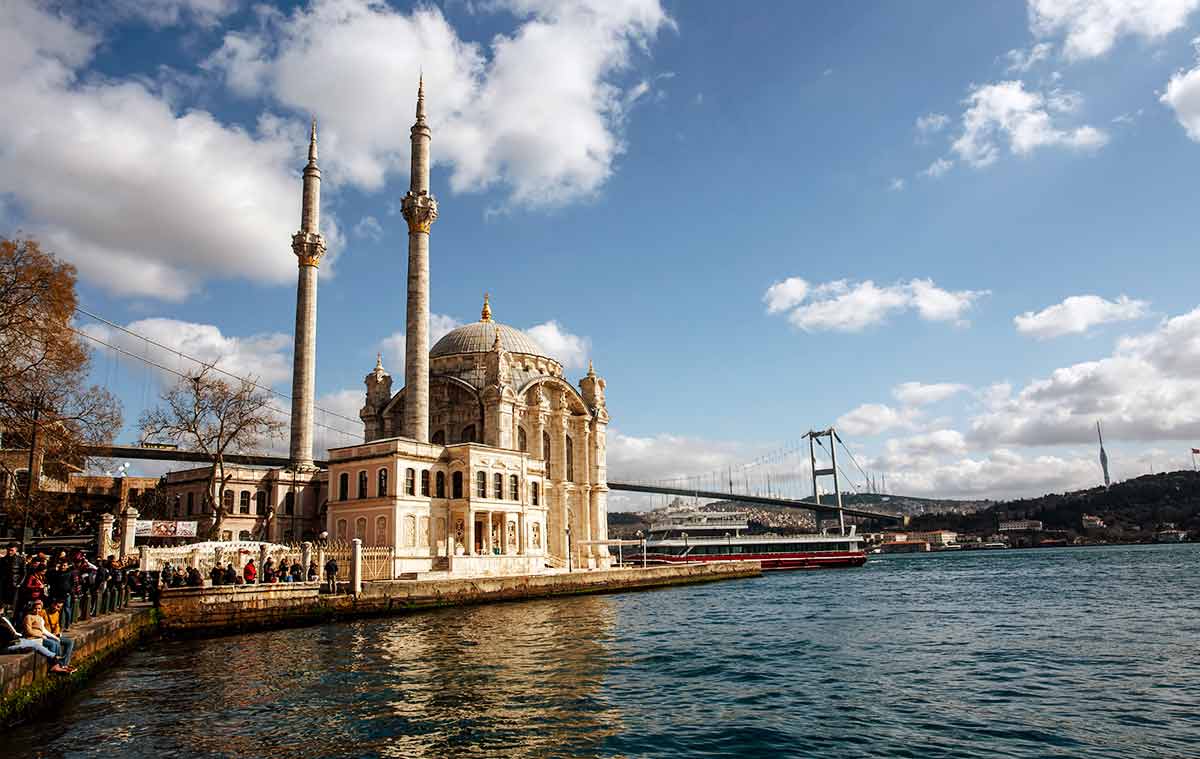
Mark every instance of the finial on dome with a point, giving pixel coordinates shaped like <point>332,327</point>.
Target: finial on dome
<point>312,142</point>
<point>379,362</point>
<point>486,314</point>
<point>496,345</point>
<point>591,371</point>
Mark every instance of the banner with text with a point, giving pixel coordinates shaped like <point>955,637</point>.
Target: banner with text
<point>162,529</point>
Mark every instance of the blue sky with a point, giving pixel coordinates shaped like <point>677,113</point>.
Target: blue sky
<point>962,232</point>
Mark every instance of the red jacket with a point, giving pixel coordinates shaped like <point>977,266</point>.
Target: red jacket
<point>249,573</point>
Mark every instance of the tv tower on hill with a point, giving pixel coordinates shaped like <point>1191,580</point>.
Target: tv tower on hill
<point>1103,455</point>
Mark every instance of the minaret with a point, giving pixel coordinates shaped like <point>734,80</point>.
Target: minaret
<point>420,210</point>
<point>309,246</point>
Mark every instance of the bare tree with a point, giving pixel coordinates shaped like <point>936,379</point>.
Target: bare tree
<point>206,414</point>
<point>46,407</point>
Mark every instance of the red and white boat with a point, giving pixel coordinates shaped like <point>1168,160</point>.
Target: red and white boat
<point>694,536</point>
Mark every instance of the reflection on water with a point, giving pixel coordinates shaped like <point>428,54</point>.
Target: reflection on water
<point>1071,653</point>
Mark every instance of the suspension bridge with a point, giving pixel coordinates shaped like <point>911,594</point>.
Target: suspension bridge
<point>132,365</point>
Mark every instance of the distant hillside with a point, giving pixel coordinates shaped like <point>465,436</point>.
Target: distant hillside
<point>1137,505</point>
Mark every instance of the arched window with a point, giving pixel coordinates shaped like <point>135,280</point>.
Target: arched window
<point>410,481</point>
<point>343,486</point>
<point>425,482</point>
<point>440,485</point>
<point>456,485</point>
<point>341,529</point>
<point>570,460</point>
<point>480,485</point>
<point>439,437</point>
<point>260,503</point>
<point>381,534</point>
<point>546,450</point>
<point>514,488</point>
<point>360,528</point>
<point>362,484</point>
<point>191,501</point>
<point>498,486</point>
<point>533,493</point>
<point>382,484</point>
<point>289,503</point>
<point>227,501</point>
<point>522,441</point>
<point>244,502</point>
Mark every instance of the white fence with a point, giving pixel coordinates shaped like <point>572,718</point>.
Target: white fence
<point>204,555</point>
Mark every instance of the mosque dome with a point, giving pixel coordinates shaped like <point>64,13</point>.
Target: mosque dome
<point>480,336</point>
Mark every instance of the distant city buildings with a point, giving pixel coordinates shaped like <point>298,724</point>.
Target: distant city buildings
<point>1021,525</point>
<point>1091,522</point>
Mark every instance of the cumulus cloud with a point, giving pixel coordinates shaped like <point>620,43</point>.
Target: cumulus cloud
<point>873,419</point>
<point>1182,95</point>
<point>265,358</point>
<point>843,306</point>
<point>162,13</point>
<point>1078,314</point>
<point>922,394</point>
<point>931,123</point>
<point>1090,28</point>
<point>939,167</point>
<point>1147,389</point>
<point>1001,473</point>
<point>571,350</point>
<point>1006,112</point>
<point>936,443</point>
<point>368,228</point>
<point>115,179</point>
<point>538,111</point>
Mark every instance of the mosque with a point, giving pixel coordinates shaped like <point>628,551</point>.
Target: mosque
<point>487,460</point>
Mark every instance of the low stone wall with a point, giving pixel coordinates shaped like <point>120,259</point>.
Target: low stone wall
<point>26,685</point>
<point>215,611</point>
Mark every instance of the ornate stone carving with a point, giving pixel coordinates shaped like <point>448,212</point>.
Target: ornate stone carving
<point>537,535</point>
<point>308,247</point>
<point>419,210</point>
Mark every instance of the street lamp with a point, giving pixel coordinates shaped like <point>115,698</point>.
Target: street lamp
<point>642,537</point>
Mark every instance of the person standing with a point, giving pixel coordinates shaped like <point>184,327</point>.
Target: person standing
<point>331,571</point>
<point>11,569</point>
<point>249,572</point>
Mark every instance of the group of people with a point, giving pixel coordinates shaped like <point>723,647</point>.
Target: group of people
<point>288,570</point>
<point>38,595</point>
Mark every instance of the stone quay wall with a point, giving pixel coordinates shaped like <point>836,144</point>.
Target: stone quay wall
<point>188,612</point>
<point>26,685</point>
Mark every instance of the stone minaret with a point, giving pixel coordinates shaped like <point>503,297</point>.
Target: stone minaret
<point>309,246</point>
<point>420,210</point>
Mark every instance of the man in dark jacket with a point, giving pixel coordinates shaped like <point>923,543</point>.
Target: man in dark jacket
<point>217,575</point>
<point>331,570</point>
<point>11,569</point>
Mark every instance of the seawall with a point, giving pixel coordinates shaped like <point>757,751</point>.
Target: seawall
<point>26,685</point>
<point>190,612</point>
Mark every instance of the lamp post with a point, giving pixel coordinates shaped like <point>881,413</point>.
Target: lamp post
<point>642,537</point>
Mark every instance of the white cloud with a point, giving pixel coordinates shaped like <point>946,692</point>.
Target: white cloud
<point>851,307</point>
<point>785,294</point>
<point>896,184</point>
<point>1001,473</point>
<point>1078,314</point>
<point>265,358</point>
<point>873,419</point>
<point>172,12</point>
<point>1146,390</point>
<point>1091,27</point>
<point>1021,61</point>
<point>928,444</point>
<point>393,346</point>
<point>922,394</point>
<point>143,199</point>
<point>368,227</point>
<point>939,167</point>
<point>1007,112</point>
<point>538,111</point>
<point>931,123</point>
<point>1182,96</point>
<point>571,350</point>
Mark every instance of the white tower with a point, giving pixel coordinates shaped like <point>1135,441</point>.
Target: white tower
<point>309,246</point>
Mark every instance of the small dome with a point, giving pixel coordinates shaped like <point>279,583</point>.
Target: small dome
<point>479,338</point>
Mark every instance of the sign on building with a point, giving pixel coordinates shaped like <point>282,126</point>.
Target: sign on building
<point>146,528</point>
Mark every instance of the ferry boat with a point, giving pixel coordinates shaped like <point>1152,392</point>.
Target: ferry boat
<point>696,536</point>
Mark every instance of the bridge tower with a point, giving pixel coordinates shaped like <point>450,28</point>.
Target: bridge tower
<point>309,245</point>
<point>420,211</point>
<point>832,471</point>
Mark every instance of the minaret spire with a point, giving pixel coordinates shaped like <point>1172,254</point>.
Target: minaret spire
<point>420,210</point>
<point>309,246</point>
<point>485,315</point>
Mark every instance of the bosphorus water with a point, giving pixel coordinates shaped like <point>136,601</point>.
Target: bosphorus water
<point>1088,652</point>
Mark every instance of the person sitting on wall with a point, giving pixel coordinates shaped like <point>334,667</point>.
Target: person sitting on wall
<point>268,570</point>
<point>331,571</point>
<point>194,578</point>
<point>217,575</point>
<point>314,573</point>
<point>11,642</point>
<point>297,571</point>
<point>249,572</point>
<point>231,575</point>
<point>36,629</point>
<point>55,616</point>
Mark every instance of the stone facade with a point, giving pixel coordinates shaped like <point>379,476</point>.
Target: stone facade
<point>275,505</point>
